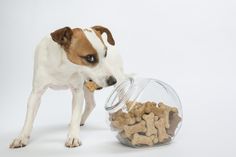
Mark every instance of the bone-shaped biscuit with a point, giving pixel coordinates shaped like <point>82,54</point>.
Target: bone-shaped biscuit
<point>139,127</point>
<point>174,121</point>
<point>138,119</point>
<point>117,125</point>
<point>156,118</point>
<point>155,140</point>
<point>160,125</point>
<point>139,111</point>
<point>149,119</point>
<point>167,110</point>
<point>130,105</point>
<point>142,140</point>
<point>124,135</point>
<point>119,119</point>
<point>151,107</point>
<point>91,86</point>
<point>114,116</point>
<point>136,108</point>
<point>120,122</point>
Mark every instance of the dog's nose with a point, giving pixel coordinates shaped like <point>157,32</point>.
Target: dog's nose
<point>111,81</point>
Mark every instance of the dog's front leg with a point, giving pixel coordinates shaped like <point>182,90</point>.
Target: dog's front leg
<point>90,104</point>
<point>77,105</point>
<point>32,108</point>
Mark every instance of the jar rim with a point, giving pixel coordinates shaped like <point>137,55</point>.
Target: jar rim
<point>109,102</point>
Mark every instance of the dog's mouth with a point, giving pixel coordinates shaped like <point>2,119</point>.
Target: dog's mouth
<point>97,86</point>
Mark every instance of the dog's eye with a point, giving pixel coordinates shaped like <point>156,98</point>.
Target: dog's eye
<point>90,58</point>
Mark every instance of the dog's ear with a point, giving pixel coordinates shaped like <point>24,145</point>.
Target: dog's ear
<point>102,30</point>
<point>62,36</point>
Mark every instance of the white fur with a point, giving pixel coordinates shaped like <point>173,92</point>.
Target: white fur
<point>111,65</point>
<point>52,69</point>
<point>94,40</point>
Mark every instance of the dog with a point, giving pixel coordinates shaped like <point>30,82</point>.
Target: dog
<point>66,59</point>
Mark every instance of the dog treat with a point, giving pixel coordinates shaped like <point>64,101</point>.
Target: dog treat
<point>146,123</point>
<point>151,107</point>
<point>115,115</point>
<point>123,135</point>
<point>138,119</point>
<point>155,140</point>
<point>149,119</point>
<point>117,125</point>
<point>156,118</point>
<point>92,86</point>
<point>138,109</point>
<point>160,125</point>
<point>142,140</point>
<point>121,119</point>
<point>167,111</point>
<point>131,104</point>
<point>139,127</point>
<point>174,121</point>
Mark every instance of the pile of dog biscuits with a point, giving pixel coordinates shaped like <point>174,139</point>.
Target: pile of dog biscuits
<point>145,123</point>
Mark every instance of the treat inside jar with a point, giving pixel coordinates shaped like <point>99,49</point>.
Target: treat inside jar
<point>145,123</point>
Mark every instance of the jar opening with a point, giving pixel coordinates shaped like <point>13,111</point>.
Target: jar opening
<point>119,95</point>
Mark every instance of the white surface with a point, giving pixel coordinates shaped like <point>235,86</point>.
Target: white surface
<point>188,44</point>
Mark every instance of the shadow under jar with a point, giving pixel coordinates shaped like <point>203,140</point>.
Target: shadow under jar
<point>144,112</point>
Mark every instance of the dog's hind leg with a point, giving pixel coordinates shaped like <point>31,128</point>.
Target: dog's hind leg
<point>90,104</point>
<point>32,108</point>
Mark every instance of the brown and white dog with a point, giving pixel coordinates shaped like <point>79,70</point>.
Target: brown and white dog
<point>66,59</point>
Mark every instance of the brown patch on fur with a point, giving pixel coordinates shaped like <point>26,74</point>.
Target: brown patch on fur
<point>102,30</point>
<point>62,37</point>
<point>75,44</point>
<point>80,47</point>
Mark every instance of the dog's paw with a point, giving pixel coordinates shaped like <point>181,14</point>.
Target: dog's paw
<point>19,142</point>
<point>72,142</point>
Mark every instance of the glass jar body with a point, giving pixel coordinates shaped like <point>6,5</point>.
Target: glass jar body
<point>144,112</point>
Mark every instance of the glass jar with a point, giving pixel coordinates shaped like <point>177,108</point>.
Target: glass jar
<point>144,112</point>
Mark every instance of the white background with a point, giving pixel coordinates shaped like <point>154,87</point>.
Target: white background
<point>190,44</point>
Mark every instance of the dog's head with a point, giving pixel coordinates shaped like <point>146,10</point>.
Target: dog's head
<point>86,48</point>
